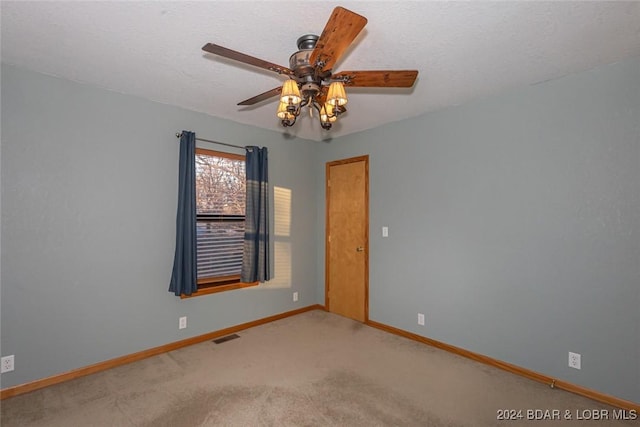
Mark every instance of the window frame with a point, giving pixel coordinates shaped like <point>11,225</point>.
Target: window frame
<point>210,285</point>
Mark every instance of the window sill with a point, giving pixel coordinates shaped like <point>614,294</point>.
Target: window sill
<point>221,288</point>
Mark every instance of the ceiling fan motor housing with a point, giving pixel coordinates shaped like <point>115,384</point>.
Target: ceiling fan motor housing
<point>302,68</point>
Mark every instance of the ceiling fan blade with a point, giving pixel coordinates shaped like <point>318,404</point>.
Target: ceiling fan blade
<point>341,29</point>
<point>266,95</point>
<point>379,78</point>
<point>241,57</point>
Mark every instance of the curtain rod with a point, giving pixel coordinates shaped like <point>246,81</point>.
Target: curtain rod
<point>179,134</point>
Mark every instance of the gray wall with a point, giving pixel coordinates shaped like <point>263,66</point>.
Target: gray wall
<point>89,192</point>
<point>514,225</point>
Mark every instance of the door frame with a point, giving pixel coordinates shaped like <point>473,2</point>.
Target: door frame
<point>365,159</point>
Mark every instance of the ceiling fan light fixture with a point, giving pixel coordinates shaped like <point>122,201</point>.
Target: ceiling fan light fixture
<point>327,114</point>
<point>290,93</point>
<point>283,113</point>
<point>337,96</point>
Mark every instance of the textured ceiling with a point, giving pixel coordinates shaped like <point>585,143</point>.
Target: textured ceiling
<point>463,50</point>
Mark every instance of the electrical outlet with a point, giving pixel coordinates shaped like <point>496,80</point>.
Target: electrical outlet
<point>7,364</point>
<point>420,319</point>
<point>574,360</point>
<point>295,296</point>
<point>182,323</point>
<point>385,231</point>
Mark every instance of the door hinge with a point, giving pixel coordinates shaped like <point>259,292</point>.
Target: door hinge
<point>329,239</point>
<point>328,183</point>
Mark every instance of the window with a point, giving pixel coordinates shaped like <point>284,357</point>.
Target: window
<point>220,212</point>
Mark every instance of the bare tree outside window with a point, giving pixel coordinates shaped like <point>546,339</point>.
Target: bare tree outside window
<point>220,185</point>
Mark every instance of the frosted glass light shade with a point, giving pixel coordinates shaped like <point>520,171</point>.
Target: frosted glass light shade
<point>290,93</point>
<point>337,95</point>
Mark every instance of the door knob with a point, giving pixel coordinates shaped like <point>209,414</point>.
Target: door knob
<point>360,249</point>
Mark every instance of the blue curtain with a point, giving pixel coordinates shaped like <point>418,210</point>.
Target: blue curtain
<point>184,275</point>
<point>255,261</point>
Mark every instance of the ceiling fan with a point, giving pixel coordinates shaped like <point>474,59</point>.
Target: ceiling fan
<point>312,82</point>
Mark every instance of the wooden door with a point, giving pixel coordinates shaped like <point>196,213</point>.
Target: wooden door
<point>347,238</point>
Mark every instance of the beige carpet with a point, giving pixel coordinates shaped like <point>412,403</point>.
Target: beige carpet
<point>314,369</point>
